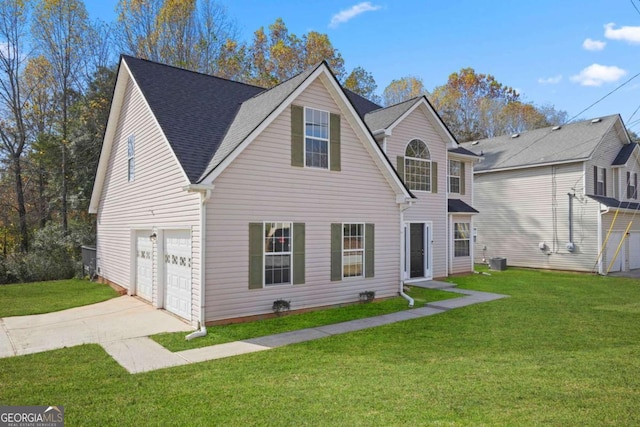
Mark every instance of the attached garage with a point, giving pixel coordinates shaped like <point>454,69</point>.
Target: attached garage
<point>144,265</point>
<point>177,272</point>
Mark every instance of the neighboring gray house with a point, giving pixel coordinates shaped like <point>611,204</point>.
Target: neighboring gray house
<point>562,197</point>
<point>215,198</point>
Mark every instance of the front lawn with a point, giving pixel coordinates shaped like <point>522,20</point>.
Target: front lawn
<point>44,297</point>
<point>563,351</point>
<point>241,331</point>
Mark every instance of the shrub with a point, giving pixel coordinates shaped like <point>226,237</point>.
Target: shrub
<point>280,306</point>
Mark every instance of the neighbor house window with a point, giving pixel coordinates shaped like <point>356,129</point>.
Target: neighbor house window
<point>601,181</point>
<point>277,253</point>
<point>454,176</point>
<point>461,238</point>
<point>131,158</point>
<point>352,250</point>
<point>632,185</point>
<point>417,166</point>
<point>316,141</point>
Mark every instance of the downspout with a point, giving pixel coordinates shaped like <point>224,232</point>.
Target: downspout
<point>403,248</point>
<point>205,194</point>
<point>570,245</point>
<point>601,243</point>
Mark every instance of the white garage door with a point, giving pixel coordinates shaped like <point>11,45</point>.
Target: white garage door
<point>612,246</point>
<point>177,270</point>
<point>144,265</point>
<point>634,251</point>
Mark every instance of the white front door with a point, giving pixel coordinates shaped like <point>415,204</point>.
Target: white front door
<point>144,265</point>
<point>177,271</point>
<point>418,256</point>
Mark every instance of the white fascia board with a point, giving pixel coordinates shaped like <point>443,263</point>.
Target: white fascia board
<point>109,134</point>
<point>463,156</point>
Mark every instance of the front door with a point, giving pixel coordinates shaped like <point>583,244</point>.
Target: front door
<point>416,253</point>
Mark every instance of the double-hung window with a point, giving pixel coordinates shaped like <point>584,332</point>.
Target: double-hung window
<point>352,250</point>
<point>461,239</point>
<point>316,138</point>
<point>601,181</point>
<point>277,253</point>
<point>417,167</point>
<point>131,158</point>
<point>454,176</point>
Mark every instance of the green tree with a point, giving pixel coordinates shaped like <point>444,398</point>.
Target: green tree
<point>13,98</point>
<point>362,82</point>
<point>403,89</point>
<point>467,100</point>
<point>61,28</point>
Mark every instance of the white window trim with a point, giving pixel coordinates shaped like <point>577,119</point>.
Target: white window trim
<point>265,254</point>
<point>364,237</point>
<point>131,158</point>
<point>421,160</point>
<point>630,185</point>
<point>328,139</point>
<point>600,180</point>
<point>468,239</point>
<point>449,176</point>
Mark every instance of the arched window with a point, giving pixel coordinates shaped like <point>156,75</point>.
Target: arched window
<point>417,166</point>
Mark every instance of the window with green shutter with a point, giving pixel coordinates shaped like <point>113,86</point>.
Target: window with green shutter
<point>276,254</point>
<point>352,250</point>
<point>315,138</point>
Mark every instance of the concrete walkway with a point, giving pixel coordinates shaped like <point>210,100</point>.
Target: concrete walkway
<point>136,352</point>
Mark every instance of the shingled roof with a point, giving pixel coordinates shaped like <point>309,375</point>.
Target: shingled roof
<point>559,144</point>
<point>193,110</point>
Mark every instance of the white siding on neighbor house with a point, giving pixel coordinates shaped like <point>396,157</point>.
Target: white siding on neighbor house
<point>261,185</point>
<point>429,206</point>
<point>154,200</point>
<point>523,208</point>
<point>603,156</point>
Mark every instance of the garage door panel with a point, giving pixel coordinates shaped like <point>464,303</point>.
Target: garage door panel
<point>144,265</point>
<point>177,244</point>
<point>634,250</point>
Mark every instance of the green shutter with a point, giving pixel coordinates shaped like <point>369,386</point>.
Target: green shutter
<point>334,142</point>
<point>462,179</point>
<point>369,250</point>
<point>256,245</point>
<point>298,253</point>
<point>434,177</point>
<point>400,167</point>
<point>336,252</point>
<point>297,136</point>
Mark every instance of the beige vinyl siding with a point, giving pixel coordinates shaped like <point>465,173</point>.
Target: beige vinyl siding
<point>428,206</point>
<point>261,185</point>
<point>154,199</point>
<point>522,208</point>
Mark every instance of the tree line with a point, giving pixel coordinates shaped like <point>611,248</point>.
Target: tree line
<point>57,71</point>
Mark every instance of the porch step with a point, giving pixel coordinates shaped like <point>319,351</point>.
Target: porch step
<point>432,284</point>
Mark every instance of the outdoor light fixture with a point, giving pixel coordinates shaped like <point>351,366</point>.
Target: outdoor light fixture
<point>153,236</point>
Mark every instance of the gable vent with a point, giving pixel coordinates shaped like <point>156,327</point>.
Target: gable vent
<point>556,128</point>
<point>598,120</point>
<point>515,135</point>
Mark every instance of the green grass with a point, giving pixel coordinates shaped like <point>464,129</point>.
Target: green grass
<point>241,331</point>
<point>44,297</point>
<point>561,351</point>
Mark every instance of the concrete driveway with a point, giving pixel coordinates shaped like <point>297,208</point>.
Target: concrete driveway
<point>117,319</point>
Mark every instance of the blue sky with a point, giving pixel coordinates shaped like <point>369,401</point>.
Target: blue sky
<point>565,53</point>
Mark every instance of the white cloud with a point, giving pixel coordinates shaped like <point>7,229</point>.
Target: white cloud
<point>550,80</point>
<point>589,44</point>
<point>348,14</point>
<point>597,75</point>
<point>625,33</point>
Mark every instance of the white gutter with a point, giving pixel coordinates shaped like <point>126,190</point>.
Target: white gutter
<point>205,195</point>
<point>403,247</point>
